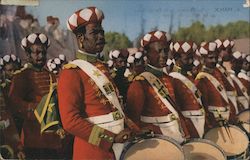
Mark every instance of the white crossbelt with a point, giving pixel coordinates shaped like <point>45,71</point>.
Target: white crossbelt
<point>113,116</point>
<point>101,81</point>
<point>189,84</point>
<point>159,119</point>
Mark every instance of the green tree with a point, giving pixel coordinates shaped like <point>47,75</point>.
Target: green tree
<point>198,32</point>
<point>115,40</point>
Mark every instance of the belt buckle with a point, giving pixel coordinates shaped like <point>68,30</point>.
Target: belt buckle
<point>108,88</point>
<point>116,115</point>
<point>173,117</point>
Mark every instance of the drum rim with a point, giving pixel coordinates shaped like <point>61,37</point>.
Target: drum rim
<point>230,125</point>
<point>159,136</point>
<point>236,127</point>
<point>244,110</point>
<point>248,109</point>
<point>206,141</point>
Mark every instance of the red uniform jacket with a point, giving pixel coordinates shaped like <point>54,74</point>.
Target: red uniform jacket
<point>80,98</point>
<point>228,87</point>
<point>211,97</point>
<point>8,134</point>
<point>143,101</point>
<point>27,89</point>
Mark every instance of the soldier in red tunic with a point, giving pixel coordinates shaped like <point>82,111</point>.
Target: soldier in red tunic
<point>88,99</point>
<point>10,64</point>
<point>151,100</point>
<point>27,89</point>
<point>242,95</point>
<point>244,75</point>
<point>188,97</point>
<point>224,50</point>
<point>10,143</point>
<point>214,95</point>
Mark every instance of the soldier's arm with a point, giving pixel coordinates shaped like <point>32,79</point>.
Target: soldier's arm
<point>70,97</point>
<point>135,101</point>
<point>17,95</point>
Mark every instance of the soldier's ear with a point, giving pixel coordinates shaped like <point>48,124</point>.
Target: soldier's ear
<point>80,39</point>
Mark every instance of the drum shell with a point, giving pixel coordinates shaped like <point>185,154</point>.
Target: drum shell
<point>233,149</point>
<point>152,147</point>
<point>196,149</point>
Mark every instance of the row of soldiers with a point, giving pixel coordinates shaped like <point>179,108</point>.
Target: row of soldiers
<point>173,88</point>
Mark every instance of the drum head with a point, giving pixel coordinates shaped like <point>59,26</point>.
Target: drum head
<point>156,148</point>
<point>232,146</point>
<point>244,116</point>
<point>197,149</point>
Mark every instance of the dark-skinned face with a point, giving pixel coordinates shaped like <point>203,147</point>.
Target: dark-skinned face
<point>226,54</point>
<point>185,61</point>
<point>38,55</point>
<point>93,40</point>
<point>246,65</point>
<point>157,54</point>
<point>119,62</point>
<point>236,64</point>
<point>211,60</point>
<point>9,69</point>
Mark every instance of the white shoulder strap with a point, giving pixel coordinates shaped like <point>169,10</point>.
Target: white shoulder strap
<point>226,74</point>
<point>244,76</point>
<point>215,83</point>
<point>101,81</point>
<point>159,89</point>
<point>242,87</point>
<point>191,86</point>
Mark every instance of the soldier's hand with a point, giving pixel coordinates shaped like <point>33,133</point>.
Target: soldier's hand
<point>123,136</point>
<point>21,155</point>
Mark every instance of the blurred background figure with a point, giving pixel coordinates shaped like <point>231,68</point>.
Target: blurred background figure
<point>55,65</point>
<point>9,64</point>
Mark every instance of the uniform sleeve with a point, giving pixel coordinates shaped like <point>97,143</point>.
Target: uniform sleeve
<point>135,101</point>
<point>71,108</point>
<point>184,97</point>
<point>18,100</point>
<point>201,84</point>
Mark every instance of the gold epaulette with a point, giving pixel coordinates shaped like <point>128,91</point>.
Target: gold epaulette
<point>199,76</point>
<point>139,78</point>
<point>21,70</point>
<point>69,66</point>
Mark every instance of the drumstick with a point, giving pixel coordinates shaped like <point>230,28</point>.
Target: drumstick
<point>230,134</point>
<point>224,125</point>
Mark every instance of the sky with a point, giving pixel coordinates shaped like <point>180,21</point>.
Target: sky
<point>130,16</point>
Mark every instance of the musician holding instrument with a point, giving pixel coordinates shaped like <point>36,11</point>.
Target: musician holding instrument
<point>150,97</point>
<point>88,99</point>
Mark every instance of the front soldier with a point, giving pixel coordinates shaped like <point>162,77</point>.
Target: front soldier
<point>88,100</point>
<point>28,87</point>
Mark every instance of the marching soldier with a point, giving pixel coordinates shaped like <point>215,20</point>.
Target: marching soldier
<point>242,95</point>
<point>214,95</point>
<point>188,97</point>
<point>88,101</point>
<point>150,98</point>
<point>10,143</point>
<point>135,65</point>
<point>9,64</point>
<point>28,87</point>
<point>244,72</point>
<point>224,48</point>
<point>117,62</point>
